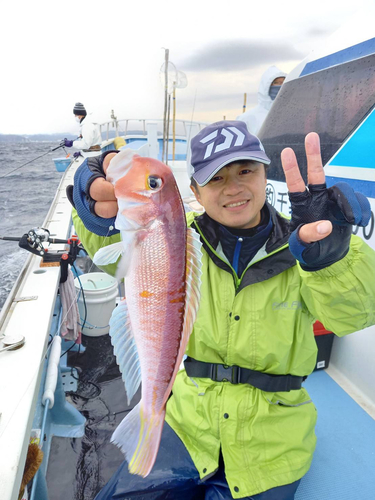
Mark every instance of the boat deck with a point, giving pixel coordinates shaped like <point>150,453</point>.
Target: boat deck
<point>89,462</point>
<point>342,469</point>
<point>344,461</point>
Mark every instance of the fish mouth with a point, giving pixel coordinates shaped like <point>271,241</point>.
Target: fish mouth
<point>120,165</point>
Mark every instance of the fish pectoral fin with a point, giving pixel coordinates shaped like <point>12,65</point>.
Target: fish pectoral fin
<point>192,287</point>
<point>123,267</point>
<point>109,254</point>
<point>125,349</point>
<point>129,242</point>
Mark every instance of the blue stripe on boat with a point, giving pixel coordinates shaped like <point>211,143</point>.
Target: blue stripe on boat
<point>355,52</point>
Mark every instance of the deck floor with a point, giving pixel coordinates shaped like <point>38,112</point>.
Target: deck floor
<point>79,468</point>
<point>344,461</point>
<point>343,467</point>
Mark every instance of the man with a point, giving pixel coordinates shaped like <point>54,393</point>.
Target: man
<point>239,423</point>
<point>90,137</point>
<point>270,84</point>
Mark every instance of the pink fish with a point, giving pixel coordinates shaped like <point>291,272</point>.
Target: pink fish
<point>151,327</point>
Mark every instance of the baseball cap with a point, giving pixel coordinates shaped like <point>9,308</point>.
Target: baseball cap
<point>221,143</point>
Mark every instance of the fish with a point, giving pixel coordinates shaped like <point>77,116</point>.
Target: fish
<point>160,259</point>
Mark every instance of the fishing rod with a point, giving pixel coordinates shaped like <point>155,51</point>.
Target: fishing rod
<point>35,237</point>
<point>61,145</point>
<point>49,240</point>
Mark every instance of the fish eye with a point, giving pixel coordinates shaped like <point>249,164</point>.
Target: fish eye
<point>154,182</point>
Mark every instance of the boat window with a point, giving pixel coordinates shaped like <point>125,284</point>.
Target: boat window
<point>331,102</point>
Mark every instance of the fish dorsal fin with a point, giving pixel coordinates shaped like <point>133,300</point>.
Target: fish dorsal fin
<point>193,283</point>
<point>125,348</point>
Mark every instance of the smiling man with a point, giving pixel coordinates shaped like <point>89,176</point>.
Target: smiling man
<point>236,194</point>
<point>239,422</point>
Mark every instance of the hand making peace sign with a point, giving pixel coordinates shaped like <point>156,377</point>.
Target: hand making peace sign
<point>322,218</point>
<point>320,229</point>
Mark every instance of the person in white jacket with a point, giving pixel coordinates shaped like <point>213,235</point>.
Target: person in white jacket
<point>270,84</point>
<point>90,137</point>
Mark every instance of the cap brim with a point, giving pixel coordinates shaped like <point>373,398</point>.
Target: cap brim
<point>204,175</point>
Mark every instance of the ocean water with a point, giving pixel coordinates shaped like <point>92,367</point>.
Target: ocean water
<point>25,197</point>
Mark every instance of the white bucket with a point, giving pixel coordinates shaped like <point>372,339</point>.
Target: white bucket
<point>100,290</point>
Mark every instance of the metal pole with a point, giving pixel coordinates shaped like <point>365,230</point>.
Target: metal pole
<point>174,119</point>
<point>168,116</point>
<point>165,99</point>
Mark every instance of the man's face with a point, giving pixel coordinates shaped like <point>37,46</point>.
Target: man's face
<point>236,195</point>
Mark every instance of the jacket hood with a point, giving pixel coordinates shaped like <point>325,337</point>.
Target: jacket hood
<point>267,78</point>
<point>90,118</point>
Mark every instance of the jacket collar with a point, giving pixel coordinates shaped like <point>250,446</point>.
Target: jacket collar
<point>280,230</point>
<point>265,268</point>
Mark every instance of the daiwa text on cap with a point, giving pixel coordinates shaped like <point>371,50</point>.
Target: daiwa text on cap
<point>221,143</point>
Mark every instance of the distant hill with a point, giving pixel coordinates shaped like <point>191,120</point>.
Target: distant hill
<point>36,137</point>
<point>59,137</point>
<point>12,138</point>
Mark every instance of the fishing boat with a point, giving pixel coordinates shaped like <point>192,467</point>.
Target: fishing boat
<point>68,398</point>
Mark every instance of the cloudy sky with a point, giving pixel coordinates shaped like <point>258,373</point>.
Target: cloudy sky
<point>108,55</point>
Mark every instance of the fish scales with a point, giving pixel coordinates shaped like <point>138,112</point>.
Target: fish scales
<point>156,320</point>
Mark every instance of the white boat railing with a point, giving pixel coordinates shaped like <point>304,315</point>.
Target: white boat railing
<point>149,131</point>
<point>133,126</point>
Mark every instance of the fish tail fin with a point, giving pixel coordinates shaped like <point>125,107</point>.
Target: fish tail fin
<point>138,438</point>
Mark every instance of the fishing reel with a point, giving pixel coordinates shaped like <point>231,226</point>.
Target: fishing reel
<point>33,239</point>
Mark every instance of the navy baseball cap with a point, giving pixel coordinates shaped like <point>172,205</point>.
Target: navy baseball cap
<point>221,143</point>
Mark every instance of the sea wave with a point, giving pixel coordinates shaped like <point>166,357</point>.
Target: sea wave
<point>25,197</point>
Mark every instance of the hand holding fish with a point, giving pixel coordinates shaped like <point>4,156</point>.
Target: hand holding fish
<point>160,260</point>
<point>322,218</point>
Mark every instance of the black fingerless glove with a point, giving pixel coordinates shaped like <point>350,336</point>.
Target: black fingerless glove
<point>338,204</point>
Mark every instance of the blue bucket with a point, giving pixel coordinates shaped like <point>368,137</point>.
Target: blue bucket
<point>62,164</point>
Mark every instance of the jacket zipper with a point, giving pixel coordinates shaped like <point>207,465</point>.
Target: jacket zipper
<point>238,280</point>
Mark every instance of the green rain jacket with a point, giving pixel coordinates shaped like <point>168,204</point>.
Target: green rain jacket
<point>263,321</point>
